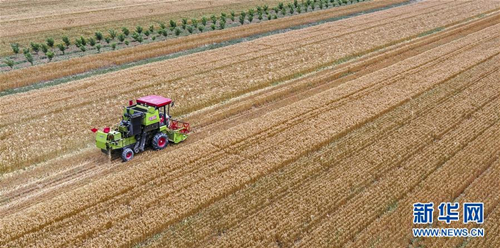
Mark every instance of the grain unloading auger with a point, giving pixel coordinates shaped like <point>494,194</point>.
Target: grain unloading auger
<point>148,122</point>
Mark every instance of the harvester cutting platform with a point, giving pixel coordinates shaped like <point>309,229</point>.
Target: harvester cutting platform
<point>148,122</point>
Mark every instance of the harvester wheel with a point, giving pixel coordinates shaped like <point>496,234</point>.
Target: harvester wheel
<point>127,154</point>
<point>160,141</point>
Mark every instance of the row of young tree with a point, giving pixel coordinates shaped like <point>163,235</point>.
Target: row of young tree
<point>139,34</point>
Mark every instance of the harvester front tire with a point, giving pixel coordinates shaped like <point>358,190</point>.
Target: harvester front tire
<point>160,141</point>
<point>127,154</point>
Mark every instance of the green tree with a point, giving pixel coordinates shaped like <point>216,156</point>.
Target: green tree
<point>194,22</point>
<point>164,33</point>
<point>65,39</point>
<point>139,29</point>
<point>223,17</point>
<point>121,37</point>
<point>232,15</point>
<point>112,34</point>
<point>213,18</point>
<point>266,8</point>
<point>83,49</point>
<point>281,6</point>
<point>296,3</point>
<point>91,42</point>
<point>35,47</point>
<point>107,39</point>
<point>204,21</point>
<point>137,37</point>
<point>152,29</point>
<point>113,46</point>
<point>29,58</point>
<point>15,47</point>
<point>213,26</point>
<point>98,36</point>
<point>242,19</point>
<point>50,42</point>
<point>126,42</point>
<point>250,18</point>
<point>83,41</point>
<point>44,48</point>
<point>50,55</point>
<point>78,42</point>
<point>9,62</point>
<point>98,47</point>
<point>222,24</point>
<point>146,33</point>
<point>125,31</point>
<point>162,26</point>
<point>190,29</point>
<point>201,28</point>
<point>26,50</point>
<point>177,31</point>
<point>292,10</point>
<point>173,25</point>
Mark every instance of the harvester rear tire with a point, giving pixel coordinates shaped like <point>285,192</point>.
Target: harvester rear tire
<point>127,154</point>
<point>160,141</point>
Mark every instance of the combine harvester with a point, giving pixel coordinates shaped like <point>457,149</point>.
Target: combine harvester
<point>143,123</point>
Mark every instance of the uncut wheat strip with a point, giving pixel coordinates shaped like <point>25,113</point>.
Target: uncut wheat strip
<point>138,223</point>
<point>379,229</point>
<point>228,210</point>
<point>370,204</point>
<point>290,39</point>
<point>483,189</point>
<point>273,217</point>
<point>337,231</point>
<point>492,231</point>
<point>27,75</point>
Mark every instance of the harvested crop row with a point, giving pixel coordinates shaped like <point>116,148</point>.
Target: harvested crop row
<point>234,209</point>
<point>387,190</point>
<point>484,189</point>
<point>432,188</point>
<point>202,95</point>
<point>344,178</point>
<point>118,184</point>
<point>55,70</point>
